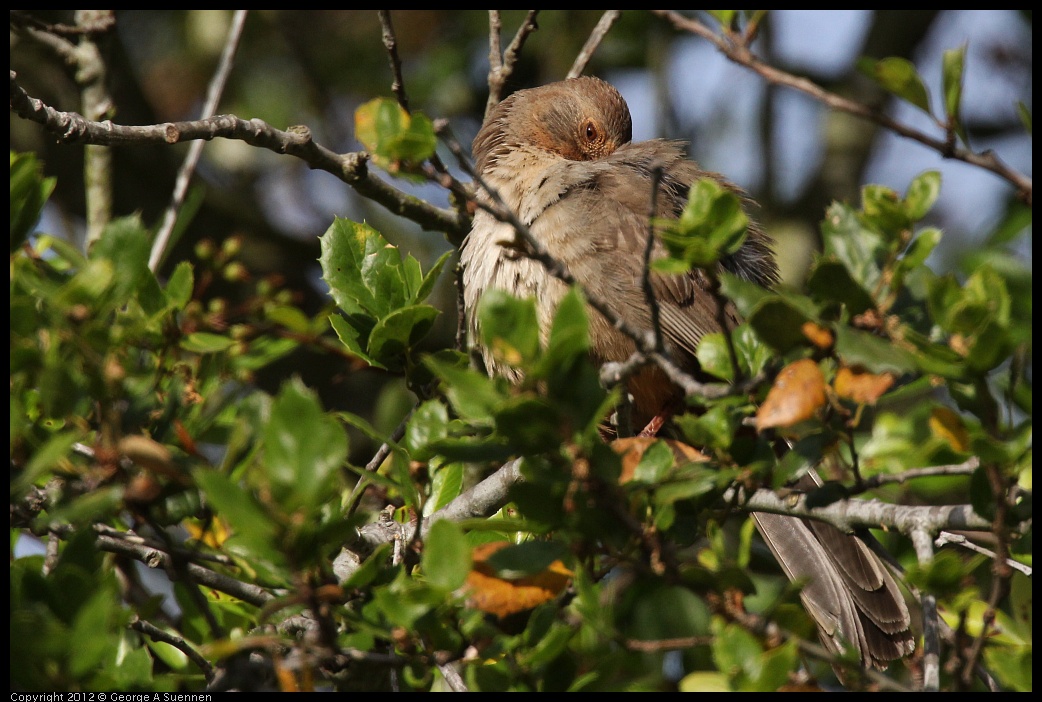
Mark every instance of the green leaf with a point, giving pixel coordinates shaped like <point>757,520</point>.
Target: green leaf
<point>654,464</point>
<point>446,556</point>
<point>428,423</point>
<point>254,530</point>
<point>353,332</point>
<point>830,281</point>
<point>394,336</point>
<point>180,285</point>
<point>363,271</point>
<point>1025,116</point>
<point>666,612</point>
<point>746,295</point>
<point>392,135</point>
<point>778,321</point>
<point>712,225</point>
<point>884,210</point>
<point>714,357</point>
<point>474,395</point>
<point>427,284</point>
<point>446,486</point>
<point>509,327</point>
<point>530,424</point>
<point>29,193</point>
<point>952,70</point>
<point>126,243</point>
<point>527,558</point>
<point>878,355</point>
<point>899,76</point>
<point>569,333</point>
<point>303,449</point>
<point>922,194</point>
<point>205,342</point>
<point>45,459</point>
<point>847,239</point>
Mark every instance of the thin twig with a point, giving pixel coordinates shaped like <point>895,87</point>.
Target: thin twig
<point>184,173</point>
<point>923,545</point>
<point>352,168</point>
<point>946,537</point>
<point>738,52</point>
<point>391,44</point>
<point>592,42</point>
<point>502,67</point>
<point>156,634</point>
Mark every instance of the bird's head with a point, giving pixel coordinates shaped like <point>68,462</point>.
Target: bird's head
<point>580,119</point>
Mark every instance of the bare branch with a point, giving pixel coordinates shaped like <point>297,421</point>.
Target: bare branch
<point>737,51</point>
<point>184,173</point>
<point>592,42</point>
<point>501,68</point>
<point>352,168</point>
<point>156,634</point>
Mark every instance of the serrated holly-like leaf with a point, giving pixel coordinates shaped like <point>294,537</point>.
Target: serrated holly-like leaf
<point>353,332</point>
<point>899,76</point>
<point>363,271</point>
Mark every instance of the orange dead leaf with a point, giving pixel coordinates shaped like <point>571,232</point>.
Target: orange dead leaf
<point>632,449</point>
<point>798,392</point>
<point>818,335</point>
<point>859,385</point>
<point>501,596</point>
<point>946,424</point>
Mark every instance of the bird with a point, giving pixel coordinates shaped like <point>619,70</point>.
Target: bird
<point>561,157</point>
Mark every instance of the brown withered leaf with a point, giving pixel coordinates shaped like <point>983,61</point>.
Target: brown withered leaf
<point>818,335</point>
<point>857,384</point>
<point>632,449</point>
<point>502,597</point>
<point>798,392</point>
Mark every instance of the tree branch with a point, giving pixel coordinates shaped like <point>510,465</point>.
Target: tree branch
<point>352,168</point>
<point>737,51</point>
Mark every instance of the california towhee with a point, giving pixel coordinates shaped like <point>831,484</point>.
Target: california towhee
<point>560,156</point>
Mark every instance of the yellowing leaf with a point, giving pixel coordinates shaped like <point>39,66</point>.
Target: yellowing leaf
<point>502,597</point>
<point>946,424</point>
<point>818,335</point>
<point>632,450</point>
<point>857,384</point>
<point>798,392</point>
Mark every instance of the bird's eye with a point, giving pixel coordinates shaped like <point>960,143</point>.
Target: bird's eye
<point>590,131</point>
